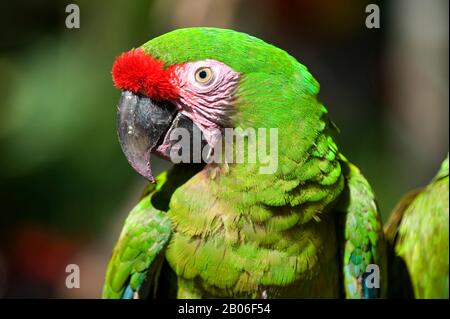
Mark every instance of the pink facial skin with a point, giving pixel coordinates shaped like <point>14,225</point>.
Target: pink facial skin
<point>209,105</point>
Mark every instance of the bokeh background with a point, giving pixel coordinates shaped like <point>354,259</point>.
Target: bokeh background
<point>66,188</point>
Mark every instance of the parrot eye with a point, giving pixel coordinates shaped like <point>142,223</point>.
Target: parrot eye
<point>203,75</point>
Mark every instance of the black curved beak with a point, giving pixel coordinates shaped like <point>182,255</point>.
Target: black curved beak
<point>144,127</point>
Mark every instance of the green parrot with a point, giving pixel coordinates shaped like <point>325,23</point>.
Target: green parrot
<point>301,222</point>
<point>417,234</point>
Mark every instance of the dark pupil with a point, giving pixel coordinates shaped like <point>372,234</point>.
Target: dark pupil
<point>203,74</point>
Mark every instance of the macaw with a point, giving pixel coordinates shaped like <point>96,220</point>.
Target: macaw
<point>223,229</point>
<point>417,235</point>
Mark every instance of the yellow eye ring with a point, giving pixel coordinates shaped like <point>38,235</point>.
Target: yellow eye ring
<point>203,75</point>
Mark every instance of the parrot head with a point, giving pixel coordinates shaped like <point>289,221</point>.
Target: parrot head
<point>206,80</point>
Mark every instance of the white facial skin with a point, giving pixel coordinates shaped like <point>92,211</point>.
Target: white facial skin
<point>206,92</point>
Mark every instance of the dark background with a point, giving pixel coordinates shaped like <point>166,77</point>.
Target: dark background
<point>65,186</point>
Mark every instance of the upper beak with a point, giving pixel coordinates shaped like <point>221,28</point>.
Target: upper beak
<point>140,125</point>
<point>144,127</point>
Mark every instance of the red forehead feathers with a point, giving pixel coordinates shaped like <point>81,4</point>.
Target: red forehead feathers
<point>138,72</point>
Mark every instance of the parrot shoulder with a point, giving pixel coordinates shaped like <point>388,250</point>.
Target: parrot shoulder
<point>418,239</point>
<point>362,240</point>
<point>138,255</point>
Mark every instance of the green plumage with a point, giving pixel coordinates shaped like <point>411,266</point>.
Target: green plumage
<point>418,232</point>
<point>137,253</point>
<point>308,230</point>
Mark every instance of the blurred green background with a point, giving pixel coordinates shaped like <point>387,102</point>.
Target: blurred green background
<point>65,186</point>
